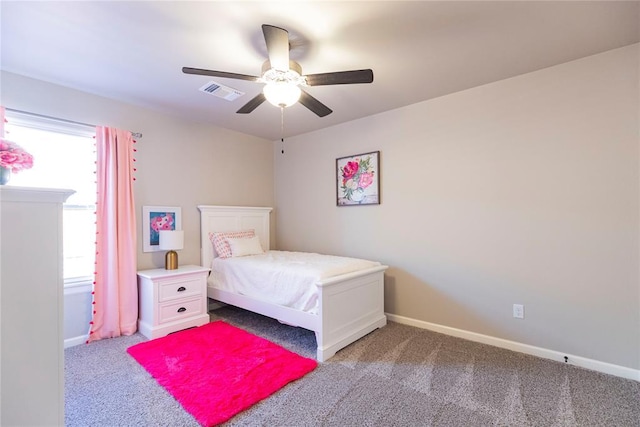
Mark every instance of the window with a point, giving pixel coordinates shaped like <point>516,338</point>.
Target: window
<point>64,157</point>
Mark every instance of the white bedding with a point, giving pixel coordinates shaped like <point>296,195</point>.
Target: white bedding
<point>282,277</point>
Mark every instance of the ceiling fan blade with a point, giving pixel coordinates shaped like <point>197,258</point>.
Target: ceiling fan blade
<point>314,105</point>
<point>277,46</point>
<point>252,105</point>
<point>201,72</point>
<point>340,78</point>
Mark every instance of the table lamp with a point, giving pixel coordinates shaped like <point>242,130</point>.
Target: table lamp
<point>171,240</point>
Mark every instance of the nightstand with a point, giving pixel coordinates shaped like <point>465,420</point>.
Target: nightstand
<point>172,300</point>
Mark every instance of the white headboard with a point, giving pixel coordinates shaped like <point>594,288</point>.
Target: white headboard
<point>231,218</point>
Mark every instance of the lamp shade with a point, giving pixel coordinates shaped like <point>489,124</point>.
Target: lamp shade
<point>171,239</point>
<point>281,94</point>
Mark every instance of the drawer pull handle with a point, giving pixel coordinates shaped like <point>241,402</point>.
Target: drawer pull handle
<point>182,289</point>
<point>181,309</point>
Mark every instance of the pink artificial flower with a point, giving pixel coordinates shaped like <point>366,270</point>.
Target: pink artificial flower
<point>27,160</point>
<point>8,159</point>
<point>24,161</point>
<point>13,157</point>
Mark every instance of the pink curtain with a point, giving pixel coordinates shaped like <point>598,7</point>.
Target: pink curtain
<point>2,121</point>
<point>115,295</point>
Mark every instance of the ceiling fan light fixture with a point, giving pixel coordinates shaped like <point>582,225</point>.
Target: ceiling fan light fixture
<point>282,94</point>
<point>283,82</point>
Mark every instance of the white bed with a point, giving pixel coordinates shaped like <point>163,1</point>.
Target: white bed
<point>349,305</point>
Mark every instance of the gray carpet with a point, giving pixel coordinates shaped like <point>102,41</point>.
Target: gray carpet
<point>396,376</point>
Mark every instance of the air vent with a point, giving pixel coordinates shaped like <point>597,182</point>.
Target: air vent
<point>221,91</point>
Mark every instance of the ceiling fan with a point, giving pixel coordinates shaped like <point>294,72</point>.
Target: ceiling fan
<point>283,77</point>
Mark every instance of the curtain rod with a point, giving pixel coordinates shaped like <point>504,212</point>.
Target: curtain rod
<point>42,116</point>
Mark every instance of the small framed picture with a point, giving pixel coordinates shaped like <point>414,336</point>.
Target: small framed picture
<point>156,218</point>
<point>358,179</point>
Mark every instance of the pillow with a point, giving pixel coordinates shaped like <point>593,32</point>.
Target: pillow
<point>245,246</point>
<point>220,243</point>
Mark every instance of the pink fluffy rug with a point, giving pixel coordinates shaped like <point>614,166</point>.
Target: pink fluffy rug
<point>217,370</point>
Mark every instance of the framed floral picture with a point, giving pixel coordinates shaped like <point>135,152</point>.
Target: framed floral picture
<point>358,179</point>
<point>156,218</point>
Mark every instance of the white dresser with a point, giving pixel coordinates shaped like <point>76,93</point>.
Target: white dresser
<point>172,300</point>
<point>31,316</point>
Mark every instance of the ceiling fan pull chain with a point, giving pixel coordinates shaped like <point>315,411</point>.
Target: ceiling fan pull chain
<point>282,128</point>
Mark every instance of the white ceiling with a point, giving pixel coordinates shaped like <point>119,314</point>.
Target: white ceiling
<point>134,50</point>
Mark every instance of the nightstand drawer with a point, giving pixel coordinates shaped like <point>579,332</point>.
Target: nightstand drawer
<point>170,289</point>
<point>179,310</point>
<point>172,300</point>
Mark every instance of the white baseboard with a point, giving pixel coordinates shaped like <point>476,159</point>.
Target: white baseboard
<point>71,342</point>
<point>583,362</point>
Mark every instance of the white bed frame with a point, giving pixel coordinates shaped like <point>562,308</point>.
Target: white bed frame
<point>350,305</point>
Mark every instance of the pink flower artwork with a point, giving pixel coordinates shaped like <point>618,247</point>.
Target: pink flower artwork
<point>366,179</point>
<point>356,177</point>
<point>163,222</point>
<point>349,170</point>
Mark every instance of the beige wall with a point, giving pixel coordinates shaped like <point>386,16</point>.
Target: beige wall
<point>180,163</point>
<point>521,191</point>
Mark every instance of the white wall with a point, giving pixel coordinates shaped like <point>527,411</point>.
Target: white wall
<point>179,163</point>
<point>521,191</point>
<point>77,314</point>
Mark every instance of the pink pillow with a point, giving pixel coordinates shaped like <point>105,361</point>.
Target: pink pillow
<point>220,243</point>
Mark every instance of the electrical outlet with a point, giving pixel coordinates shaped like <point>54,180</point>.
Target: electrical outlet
<point>518,311</point>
